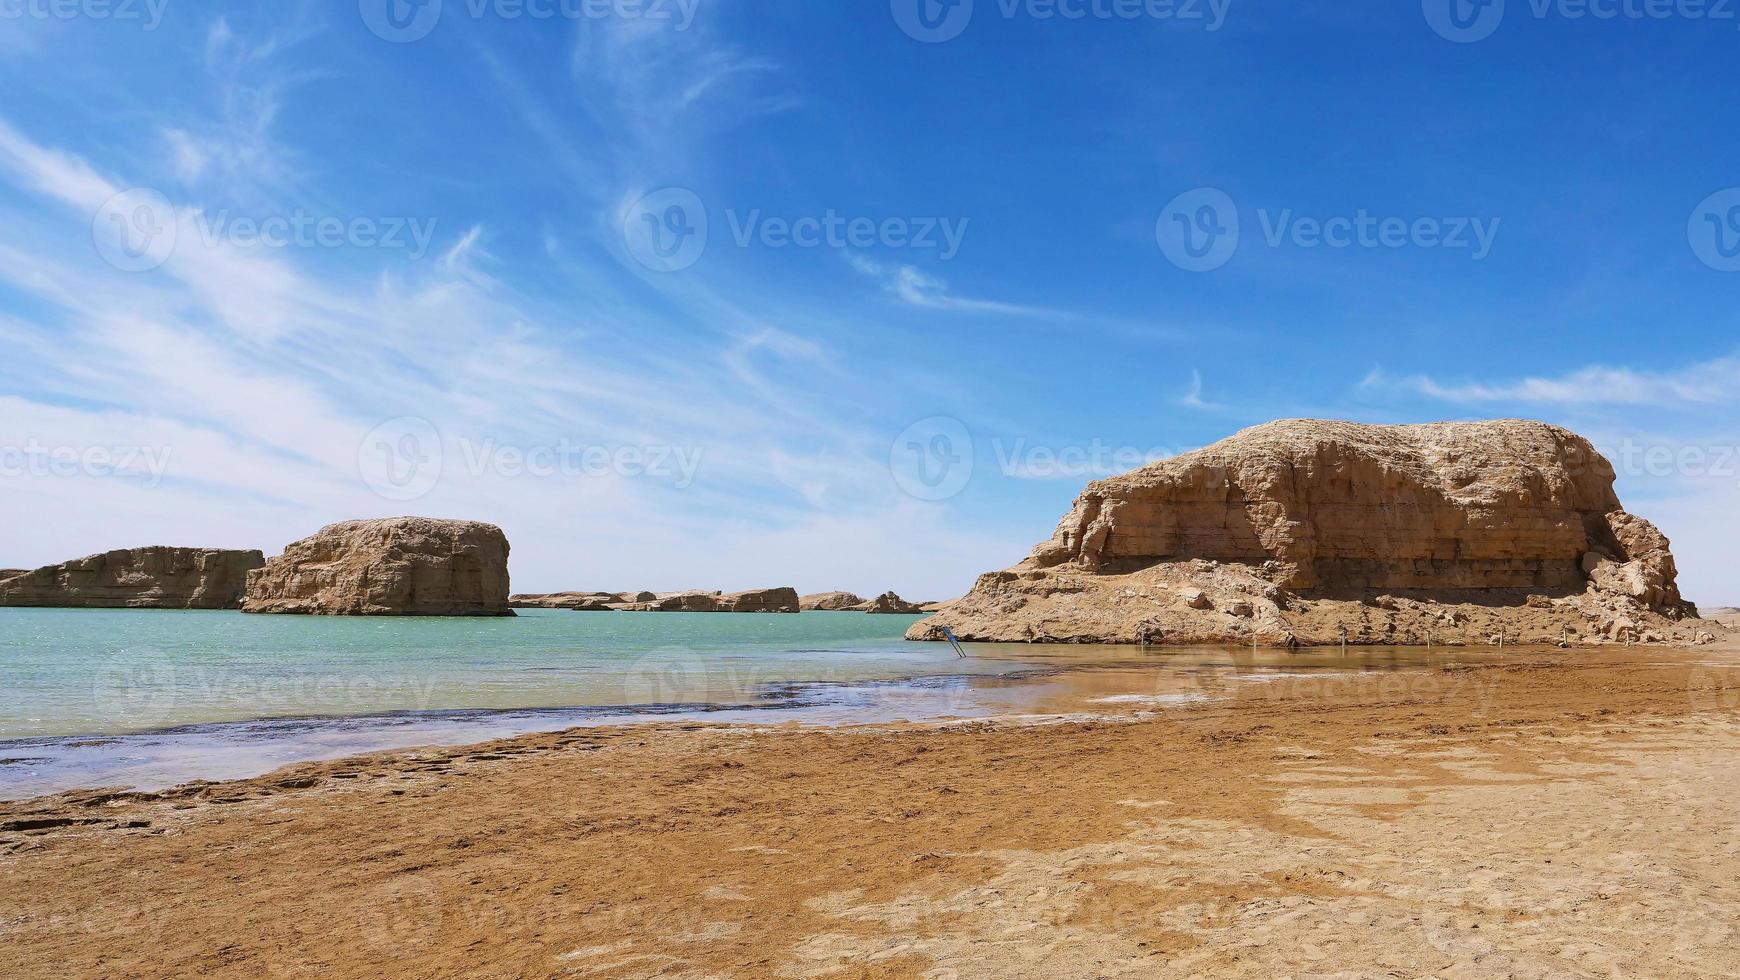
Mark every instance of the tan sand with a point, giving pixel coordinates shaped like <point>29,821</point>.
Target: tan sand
<point>1561,815</point>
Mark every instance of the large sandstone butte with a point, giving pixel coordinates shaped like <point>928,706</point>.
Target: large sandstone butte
<point>405,566</point>
<point>1306,532</point>
<point>137,578</point>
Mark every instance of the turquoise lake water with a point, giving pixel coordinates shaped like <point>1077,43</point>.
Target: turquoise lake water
<point>147,698</point>
<point>103,672</point>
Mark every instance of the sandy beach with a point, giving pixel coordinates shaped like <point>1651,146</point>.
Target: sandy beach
<point>1561,814</point>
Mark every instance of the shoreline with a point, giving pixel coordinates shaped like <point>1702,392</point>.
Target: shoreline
<point>160,758</point>
<point>1467,820</point>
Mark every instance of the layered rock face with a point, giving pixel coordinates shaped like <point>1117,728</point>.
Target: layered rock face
<point>830,602</point>
<point>137,578</point>
<point>408,566</point>
<point>1247,538</point>
<point>576,601</point>
<point>780,600</point>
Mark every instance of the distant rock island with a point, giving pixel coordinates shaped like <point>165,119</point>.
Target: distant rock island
<point>406,566</point>
<point>780,600</point>
<point>136,578</point>
<point>886,603</point>
<point>831,602</point>
<point>1317,532</point>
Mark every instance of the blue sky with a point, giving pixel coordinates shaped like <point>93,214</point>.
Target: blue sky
<point>717,294</point>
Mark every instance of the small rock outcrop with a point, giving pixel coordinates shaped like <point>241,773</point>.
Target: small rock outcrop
<point>576,601</point>
<point>1302,532</point>
<point>137,578</point>
<point>407,566</point>
<point>830,602</point>
<point>890,604</point>
<point>780,600</point>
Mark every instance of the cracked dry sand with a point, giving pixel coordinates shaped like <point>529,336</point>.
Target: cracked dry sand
<point>1557,817</point>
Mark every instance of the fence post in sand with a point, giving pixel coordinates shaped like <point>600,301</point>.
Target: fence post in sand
<point>1344,641</point>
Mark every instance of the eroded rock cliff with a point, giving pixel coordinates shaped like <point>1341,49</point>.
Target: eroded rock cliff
<point>830,602</point>
<point>778,600</point>
<point>1300,531</point>
<point>137,578</point>
<point>408,566</point>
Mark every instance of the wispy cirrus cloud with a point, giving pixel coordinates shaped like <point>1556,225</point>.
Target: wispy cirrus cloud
<point>917,288</point>
<point>1715,382</point>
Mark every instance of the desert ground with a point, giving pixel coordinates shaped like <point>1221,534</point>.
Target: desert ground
<point>1556,814</point>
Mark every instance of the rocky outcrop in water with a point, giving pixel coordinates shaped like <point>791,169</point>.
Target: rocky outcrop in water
<point>780,600</point>
<point>1306,531</point>
<point>408,566</point>
<point>888,603</point>
<point>574,601</point>
<point>830,602</point>
<point>137,578</point>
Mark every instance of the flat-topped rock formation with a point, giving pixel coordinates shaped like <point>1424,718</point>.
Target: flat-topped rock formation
<point>1301,531</point>
<point>576,601</point>
<point>581,601</point>
<point>830,602</point>
<point>407,566</point>
<point>780,600</point>
<point>136,578</point>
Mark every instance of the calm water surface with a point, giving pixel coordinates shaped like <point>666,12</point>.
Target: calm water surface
<point>150,698</point>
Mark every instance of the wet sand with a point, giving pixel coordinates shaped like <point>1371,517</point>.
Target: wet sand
<point>1561,813</point>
